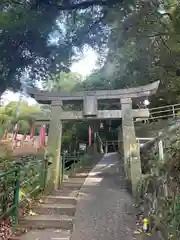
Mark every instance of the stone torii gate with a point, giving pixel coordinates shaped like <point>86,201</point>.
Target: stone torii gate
<point>90,111</point>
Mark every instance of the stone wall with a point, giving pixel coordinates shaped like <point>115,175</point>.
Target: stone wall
<point>159,189</point>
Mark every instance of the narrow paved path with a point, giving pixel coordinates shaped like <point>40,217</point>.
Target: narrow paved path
<point>104,210</point>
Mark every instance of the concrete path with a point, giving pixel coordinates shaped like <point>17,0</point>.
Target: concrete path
<point>104,210</point>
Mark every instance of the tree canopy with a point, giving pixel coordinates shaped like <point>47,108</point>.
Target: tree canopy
<point>43,36</point>
<point>63,82</point>
<point>142,48</point>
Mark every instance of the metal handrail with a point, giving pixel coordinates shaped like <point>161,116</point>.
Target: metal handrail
<point>171,105</point>
<point>71,162</point>
<point>162,112</point>
<point>9,199</point>
<point>25,179</point>
<point>165,111</point>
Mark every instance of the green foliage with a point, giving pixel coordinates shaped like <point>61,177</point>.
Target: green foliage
<point>143,48</point>
<point>172,164</point>
<point>8,116</point>
<point>160,189</point>
<point>97,81</point>
<point>142,39</point>
<point>63,82</point>
<point>44,36</point>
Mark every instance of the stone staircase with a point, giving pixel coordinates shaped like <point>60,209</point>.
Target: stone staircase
<point>55,213</point>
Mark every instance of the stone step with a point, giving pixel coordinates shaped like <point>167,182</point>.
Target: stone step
<point>72,187</point>
<point>80,175</point>
<point>46,234</point>
<point>54,209</point>
<point>47,221</point>
<point>72,184</point>
<point>85,171</point>
<point>75,180</point>
<point>60,199</point>
<point>65,192</point>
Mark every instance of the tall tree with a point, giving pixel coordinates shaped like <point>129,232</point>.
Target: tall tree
<point>63,82</point>
<point>8,115</point>
<point>42,36</point>
<point>144,47</point>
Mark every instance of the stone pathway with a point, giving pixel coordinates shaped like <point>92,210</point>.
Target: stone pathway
<point>105,209</point>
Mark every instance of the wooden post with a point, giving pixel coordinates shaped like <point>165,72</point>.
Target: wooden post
<point>173,110</point>
<point>160,148</point>
<point>54,146</point>
<point>95,138</point>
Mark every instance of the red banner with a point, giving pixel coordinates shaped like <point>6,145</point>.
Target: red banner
<point>90,136</point>
<point>42,136</point>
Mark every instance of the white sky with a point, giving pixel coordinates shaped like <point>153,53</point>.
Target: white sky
<point>86,64</point>
<point>84,67</point>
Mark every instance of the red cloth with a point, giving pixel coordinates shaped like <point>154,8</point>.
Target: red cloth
<point>42,136</point>
<point>90,136</point>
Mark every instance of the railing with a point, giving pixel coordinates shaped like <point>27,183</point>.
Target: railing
<point>73,162</point>
<point>32,175</point>
<point>69,162</point>
<point>143,141</point>
<point>9,196</point>
<point>168,111</point>
<point>23,181</point>
<point>163,112</point>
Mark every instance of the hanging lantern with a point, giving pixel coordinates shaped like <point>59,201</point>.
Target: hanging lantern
<point>146,102</point>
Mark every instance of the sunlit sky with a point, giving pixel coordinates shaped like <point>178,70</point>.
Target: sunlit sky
<point>84,67</point>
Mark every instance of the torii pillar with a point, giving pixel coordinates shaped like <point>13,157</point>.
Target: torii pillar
<point>132,161</point>
<point>54,146</point>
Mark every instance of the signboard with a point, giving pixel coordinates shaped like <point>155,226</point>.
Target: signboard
<point>82,147</point>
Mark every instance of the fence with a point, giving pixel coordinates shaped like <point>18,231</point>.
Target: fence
<point>70,163</point>
<point>168,111</point>
<point>9,197</point>
<point>163,112</point>
<point>25,180</point>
